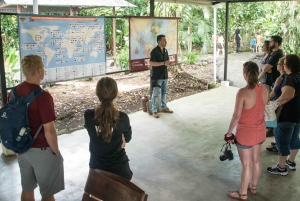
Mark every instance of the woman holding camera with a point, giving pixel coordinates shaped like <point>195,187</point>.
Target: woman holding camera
<point>109,130</point>
<point>248,118</point>
<point>288,127</point>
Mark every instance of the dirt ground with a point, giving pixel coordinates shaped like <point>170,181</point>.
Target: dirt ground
<point>72,98</point>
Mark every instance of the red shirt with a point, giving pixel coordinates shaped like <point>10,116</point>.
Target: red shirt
<point>40,111</point>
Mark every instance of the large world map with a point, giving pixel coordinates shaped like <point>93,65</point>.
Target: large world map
<point>71,48</point>
<point>143,33</point>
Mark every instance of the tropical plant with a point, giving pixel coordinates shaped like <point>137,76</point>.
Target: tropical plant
<point>191,58</point>
<point>123,58</point>
<point>12,69</point>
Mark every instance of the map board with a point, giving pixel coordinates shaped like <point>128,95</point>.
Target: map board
<point>71,47</point>
<point>143,33</point>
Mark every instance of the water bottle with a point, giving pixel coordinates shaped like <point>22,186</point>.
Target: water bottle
<point>21,133</point>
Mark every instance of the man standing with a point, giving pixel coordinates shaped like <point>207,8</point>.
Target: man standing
<point>259,40</point>
<point>42,164</point>
<point>238,38</point>
<point>271,67</point>
<point>159,61</point>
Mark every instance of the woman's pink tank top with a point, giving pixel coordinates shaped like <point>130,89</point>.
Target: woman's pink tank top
<point>251,128</point>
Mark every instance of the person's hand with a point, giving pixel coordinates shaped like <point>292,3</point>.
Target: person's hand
<point>167,63</point>
<point>123,142</point>
<point>229,137</point>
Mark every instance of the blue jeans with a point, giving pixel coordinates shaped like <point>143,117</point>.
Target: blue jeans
<point>162,85</point>
<point>287,137</point>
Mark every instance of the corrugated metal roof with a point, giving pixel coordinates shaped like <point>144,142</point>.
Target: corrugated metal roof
<point>87,3</point>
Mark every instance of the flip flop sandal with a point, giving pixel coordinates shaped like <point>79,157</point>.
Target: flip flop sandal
<point>252,189</point>
<point>236,195</point>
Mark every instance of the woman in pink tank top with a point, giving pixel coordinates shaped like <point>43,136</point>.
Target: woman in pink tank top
<point>248,118</point>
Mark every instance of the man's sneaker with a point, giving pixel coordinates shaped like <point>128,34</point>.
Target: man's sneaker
<point>291,165</point>
<point>277,170</point>
<point>155,115</point>
<point>166,110</point>
<point>272,149</point>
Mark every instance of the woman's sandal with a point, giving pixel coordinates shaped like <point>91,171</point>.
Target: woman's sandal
<point>252,189</point>
<point>236,195</point>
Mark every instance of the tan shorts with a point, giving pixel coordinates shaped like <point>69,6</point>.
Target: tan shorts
<point>41,166</point>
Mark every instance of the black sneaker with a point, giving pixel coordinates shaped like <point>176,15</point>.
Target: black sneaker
<point>291,165</point>
<point>272,149</point>
<point>277,170</point>
<point>273,143</point>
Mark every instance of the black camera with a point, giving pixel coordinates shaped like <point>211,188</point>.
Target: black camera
<point>227,154</point>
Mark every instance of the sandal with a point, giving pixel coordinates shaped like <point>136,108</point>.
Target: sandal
<point>252,189</point>
<point>236,195</point>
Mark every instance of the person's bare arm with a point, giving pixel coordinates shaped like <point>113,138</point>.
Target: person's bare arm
<point>287,94</point>
<point>265,69</point>
<point>156,64</point>
<point>277,82</point>
<point>239,102</point>
<point>51,136</point>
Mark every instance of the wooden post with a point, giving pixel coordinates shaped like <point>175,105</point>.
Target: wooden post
<point>18,9</point>
<point>114,36</point>
<point>71,11</point>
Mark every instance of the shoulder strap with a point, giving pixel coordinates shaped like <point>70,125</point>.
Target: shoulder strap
<point>13,94</point>
<point>29,98</point>
<point>38,131</point>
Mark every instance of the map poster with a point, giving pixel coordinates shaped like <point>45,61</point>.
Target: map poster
<point>70,47</point>
<point>143,33</point>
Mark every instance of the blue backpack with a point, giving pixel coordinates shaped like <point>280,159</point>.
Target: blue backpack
<point>14,125</point>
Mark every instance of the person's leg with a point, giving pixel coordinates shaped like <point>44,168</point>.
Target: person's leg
<point>50,198</point>
<point>295,143</point>
<point>223,52</point>
<point>238,45</point>
<point>164,88</point>
<point>246,176</point>
<point>256,164</point>
<point>154,96</point>
<point>27,196</point>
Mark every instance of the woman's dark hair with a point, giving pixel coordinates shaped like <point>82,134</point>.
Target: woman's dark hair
<point>251,69</point>
<point>106,115</point>
<point>292,62</point>
<point>267,44</point>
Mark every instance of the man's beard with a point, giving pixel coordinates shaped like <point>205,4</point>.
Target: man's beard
<point>272,47</point>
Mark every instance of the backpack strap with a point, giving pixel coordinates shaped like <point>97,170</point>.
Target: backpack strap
<point>38,131</point>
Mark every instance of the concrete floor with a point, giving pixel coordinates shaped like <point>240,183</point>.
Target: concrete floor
<point>175,157</point>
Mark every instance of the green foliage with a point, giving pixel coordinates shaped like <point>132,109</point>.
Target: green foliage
<point>191,58</point>
<point>9,28</point>
<point>123,59</point>
<point>12,68</point>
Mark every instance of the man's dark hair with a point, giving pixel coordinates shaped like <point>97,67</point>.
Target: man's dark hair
<point>159,37</point>
<point>277,39</point>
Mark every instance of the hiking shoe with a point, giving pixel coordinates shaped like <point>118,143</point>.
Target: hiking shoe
<point>155,115</point>
<point>166,110</point>
<point>291,165</point>
<point>272,149</point>
<point>277,170</point>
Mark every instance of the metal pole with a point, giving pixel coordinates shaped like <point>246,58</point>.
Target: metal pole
<point>152,8</point>
<point>226,42</point>
<point>215,44</point>
<point>2,70</point>
<point>35,7</point>
<point>114,36</point>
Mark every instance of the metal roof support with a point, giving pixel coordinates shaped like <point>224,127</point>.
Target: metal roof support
<point>152,8</point>
<point>2,71</point>
<point>35,7</point>
<point>114,36</point>
<point>226,42</point>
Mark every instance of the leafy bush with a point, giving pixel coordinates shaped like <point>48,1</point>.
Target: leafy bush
<point>191,58</point>
<point>12,68</point>
<point>123,59</point>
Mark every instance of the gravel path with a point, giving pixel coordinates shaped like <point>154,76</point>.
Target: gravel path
<point>235,67</point>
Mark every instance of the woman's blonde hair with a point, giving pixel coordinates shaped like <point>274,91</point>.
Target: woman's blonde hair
<point>30,64</point>
<point>106,115</point>
<point>251,69</point>
<point>281,61</point>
